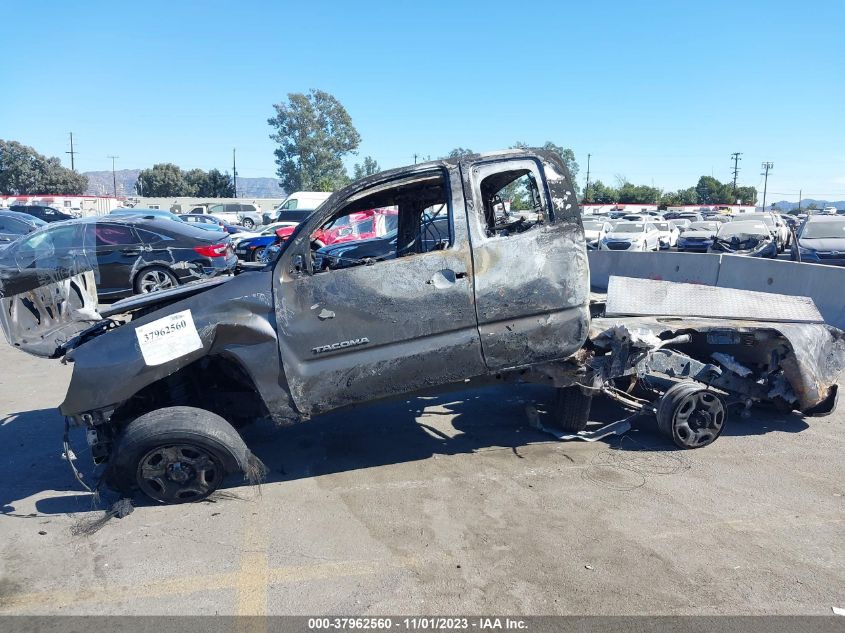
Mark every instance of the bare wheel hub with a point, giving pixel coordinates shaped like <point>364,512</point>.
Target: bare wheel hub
<point>179,472</point>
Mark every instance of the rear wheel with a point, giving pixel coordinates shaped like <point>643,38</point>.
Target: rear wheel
<point>691,415</point>
<point>248,224</point>
<point>572,409</point>
<point>176,455</point>
<point>154,278</point>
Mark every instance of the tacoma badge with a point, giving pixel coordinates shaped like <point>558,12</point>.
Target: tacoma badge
<point>342,345</point>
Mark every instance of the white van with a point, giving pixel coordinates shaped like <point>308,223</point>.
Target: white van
<point>298,200</point>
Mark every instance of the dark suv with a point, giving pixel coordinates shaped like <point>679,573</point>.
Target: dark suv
<point>42,212</point>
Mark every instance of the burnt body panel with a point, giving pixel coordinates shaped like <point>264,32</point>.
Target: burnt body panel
<point>531,287</point>
<point>234,320</point>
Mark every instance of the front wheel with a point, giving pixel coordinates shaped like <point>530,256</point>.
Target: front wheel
<point>177,455</point>
<point>258,254</point>
<point>248,224</point>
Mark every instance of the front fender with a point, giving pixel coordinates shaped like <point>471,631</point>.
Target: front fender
<point>235,320</point>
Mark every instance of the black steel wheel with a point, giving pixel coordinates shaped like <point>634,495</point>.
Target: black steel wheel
<point>176,455</point>
<point>177,473</point>
<point>691,415</point>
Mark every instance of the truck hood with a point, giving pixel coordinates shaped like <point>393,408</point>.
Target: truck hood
<point>46,313</point>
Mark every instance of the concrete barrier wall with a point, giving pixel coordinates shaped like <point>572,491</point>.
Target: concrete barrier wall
<point>824,284</point>
<point>693,268</point>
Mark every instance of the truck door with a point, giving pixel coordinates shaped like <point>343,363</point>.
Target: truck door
<point>398,320</point>
<point>531,269</point>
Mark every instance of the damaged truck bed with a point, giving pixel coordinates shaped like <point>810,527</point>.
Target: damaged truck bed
<point>464,290</point>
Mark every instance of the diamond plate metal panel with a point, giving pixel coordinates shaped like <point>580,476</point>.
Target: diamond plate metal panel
<point>627,296</point>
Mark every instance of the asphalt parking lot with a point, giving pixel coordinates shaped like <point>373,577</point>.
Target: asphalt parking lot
<point>444,505</point>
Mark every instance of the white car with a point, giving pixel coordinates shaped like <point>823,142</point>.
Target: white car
<point>594,230</point>
<point>631,236</point>
<point>668,234</point>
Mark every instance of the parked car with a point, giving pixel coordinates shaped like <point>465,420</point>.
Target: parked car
<point>777,227</point>
<point>246,214</point>
<point>128,254</point>
<point>42,212</point>
<point>251,249</point>
<point>294,216</point>
<point>698,237</point>
<point>208,222</point>
<point>594,230</point>
<point>632,236</point>
<point>692,216</point>
<point>14,224</point>
<point>682,224</point>
<point>303,200</point>
<point>360,225</point>
<point>669,234</point>
<point>433,234</point>
<point>745,237</point>
<point>821,240</point>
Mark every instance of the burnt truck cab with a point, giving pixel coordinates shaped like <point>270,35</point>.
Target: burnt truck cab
<point>506,287</point>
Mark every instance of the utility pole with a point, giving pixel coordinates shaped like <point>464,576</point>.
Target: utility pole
<point>767,166</point>
<point>800,192</point>
<point>72,153</point>
<point>415,159</point>
<point>587,188</point>
<point>234,173</point>
<point>113,176</point>
<point>736,159</point>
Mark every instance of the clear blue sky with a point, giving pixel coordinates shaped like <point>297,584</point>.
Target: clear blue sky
<point>658,92</point>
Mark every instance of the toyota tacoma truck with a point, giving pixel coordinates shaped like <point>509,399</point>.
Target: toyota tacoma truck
<point>502,292</point>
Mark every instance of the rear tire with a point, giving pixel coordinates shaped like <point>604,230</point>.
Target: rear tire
<point>572,409</point>
<point>248,224</point>
<point>176,455</point>
<point>691,415</point>
<point>154,278</point>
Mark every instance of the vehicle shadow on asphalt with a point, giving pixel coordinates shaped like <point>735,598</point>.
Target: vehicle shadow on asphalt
<point>390,432</point>
<point>484,419</point>
<point>33,464</point>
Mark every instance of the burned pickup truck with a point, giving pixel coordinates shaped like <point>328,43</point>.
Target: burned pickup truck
<point>486,279</point>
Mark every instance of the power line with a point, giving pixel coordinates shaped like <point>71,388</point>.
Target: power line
<point>767,166</point>
<point>736,159</point>
<point>113,175</point>
<point>72,153</point>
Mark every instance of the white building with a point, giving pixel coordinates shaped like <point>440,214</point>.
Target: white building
<point>75,205</point>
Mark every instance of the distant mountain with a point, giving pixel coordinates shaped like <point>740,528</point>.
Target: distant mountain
<point>100,184</point>
<point>785,205</point>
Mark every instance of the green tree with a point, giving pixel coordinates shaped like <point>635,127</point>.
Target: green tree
<point>460,152</point>
<point>367,168</point>
<point>602,194</point>
<point>194,181</point>
<point>217,185</point>
<point>748,195</point>
<point>642,194</point>
<point>679,198</point>
<point>314,133</point>
<point>163,180</point>
<point>24,171</point>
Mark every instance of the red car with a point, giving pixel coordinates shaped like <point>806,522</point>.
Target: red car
<point>361,225</point>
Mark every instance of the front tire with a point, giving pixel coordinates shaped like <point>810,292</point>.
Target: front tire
<point>691,415</point>
<point>258,254</point>
<point>248,224</point>
<point>154,278</point>
<point>176,455</point>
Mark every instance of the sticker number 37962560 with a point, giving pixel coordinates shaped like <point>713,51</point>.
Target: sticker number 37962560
<point>168,338</point>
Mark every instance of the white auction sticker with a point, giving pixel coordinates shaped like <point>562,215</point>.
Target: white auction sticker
<point>168,338</point>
